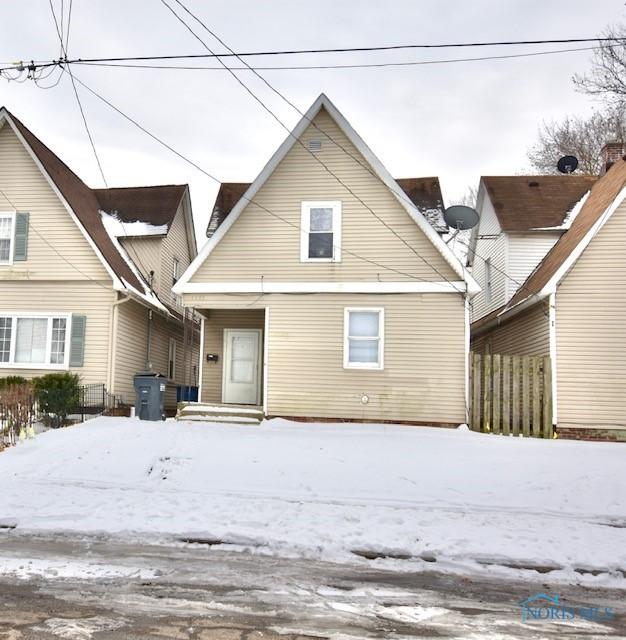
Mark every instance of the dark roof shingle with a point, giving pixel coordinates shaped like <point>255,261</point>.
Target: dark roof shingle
<point>524,203</point>
<point>603,193</point>
<point>156,205</point>
<point>424,193</point>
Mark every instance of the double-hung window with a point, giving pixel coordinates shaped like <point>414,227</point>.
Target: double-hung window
<point>7,231</point>
<point>364,334</point>
<point>33,341</point>
<point>320,227</point>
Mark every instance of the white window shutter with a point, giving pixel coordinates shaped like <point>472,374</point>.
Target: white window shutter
<point>77,341</point>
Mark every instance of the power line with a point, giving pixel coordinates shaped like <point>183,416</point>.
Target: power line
<point>45,240</point>
<point>67,28</point>
<point>91,141</point>
<point>373,65</point>
<point>335,50</point>
<point>296,139</point>
<point>218,181</point>
<point>80,106</point>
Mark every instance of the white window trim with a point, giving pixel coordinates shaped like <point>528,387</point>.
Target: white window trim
<point>11,215</point>
<point>60,366</point>
<point>171,352</point>
<point>305,221</point>
<point>375,366</point>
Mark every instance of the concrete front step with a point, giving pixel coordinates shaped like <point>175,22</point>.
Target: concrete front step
<point>224,414</point>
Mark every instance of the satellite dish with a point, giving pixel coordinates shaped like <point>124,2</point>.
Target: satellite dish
<point>567,164</point>
<point>461,217</point>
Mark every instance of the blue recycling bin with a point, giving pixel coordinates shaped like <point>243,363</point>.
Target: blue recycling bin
<point>186,393</point>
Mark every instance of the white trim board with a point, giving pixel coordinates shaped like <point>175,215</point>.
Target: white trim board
<point>259,286</point>
<point>376,165</point>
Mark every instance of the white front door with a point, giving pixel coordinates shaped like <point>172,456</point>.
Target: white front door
<point>242,381</point>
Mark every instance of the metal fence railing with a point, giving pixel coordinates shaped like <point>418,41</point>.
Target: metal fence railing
<point>94,400</point>
<point>23,412</point>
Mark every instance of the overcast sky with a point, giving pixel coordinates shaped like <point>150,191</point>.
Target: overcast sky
<point>457,121</point>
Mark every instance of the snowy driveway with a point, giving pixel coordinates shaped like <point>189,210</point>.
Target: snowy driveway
<point>414,499</point>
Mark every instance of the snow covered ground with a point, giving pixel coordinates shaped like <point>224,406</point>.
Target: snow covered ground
<point>442,500</point>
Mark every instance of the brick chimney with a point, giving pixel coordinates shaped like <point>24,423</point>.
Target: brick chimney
<point>611,153</point>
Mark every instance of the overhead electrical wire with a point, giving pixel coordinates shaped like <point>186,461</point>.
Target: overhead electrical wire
<point>92,143</point>
<point>96,62</point>
<point>33,228</point>
<point>218,181</point>
<point>402,195</point>
<point>317,67</point>
<point>331,50</point>
<point>297,139</point>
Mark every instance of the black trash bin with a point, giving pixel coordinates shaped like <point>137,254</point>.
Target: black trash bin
<point>150,396</point>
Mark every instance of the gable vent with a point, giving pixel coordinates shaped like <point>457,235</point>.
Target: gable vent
<point>315,145</point>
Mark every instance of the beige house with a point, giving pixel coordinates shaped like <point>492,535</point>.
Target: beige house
<point>325,291</point>
<point>572,307</point>
<point>86,274</point>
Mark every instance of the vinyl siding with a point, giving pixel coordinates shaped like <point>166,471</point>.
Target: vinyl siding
<point>591,333</point>
<point>84,298</point>
<point>259,245</point>
<point>494,249</point>
<point>175,245</point>
<point>57,249</point>
<point>214,325</point>
<point>525,252</point>
<point>423,376</point>
<point>527,333</point>
<point>146,256</point>
<point>130,349</point>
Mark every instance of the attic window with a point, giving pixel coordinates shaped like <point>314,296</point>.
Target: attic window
<point>315,145</point>
<point>320,231</point>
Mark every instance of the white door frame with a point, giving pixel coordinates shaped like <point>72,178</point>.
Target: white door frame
<point>259,332</point>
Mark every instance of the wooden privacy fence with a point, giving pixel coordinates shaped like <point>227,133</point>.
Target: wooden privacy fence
<point>511,395</point>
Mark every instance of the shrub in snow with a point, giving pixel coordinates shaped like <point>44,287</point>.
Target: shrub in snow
<point>58,395</point>
<point>16,408</point>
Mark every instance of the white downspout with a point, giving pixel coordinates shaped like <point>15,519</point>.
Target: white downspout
<point>553,355</point>
<point>113,343</point>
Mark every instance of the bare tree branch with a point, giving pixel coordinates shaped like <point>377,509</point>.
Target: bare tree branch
<point>580,137</point>
<point>607,77</point>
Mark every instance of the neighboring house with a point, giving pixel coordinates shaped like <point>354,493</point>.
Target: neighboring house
<point>75,271</point>
<point>572,307</point>
<point>521,219</point>
<point>331,296</point>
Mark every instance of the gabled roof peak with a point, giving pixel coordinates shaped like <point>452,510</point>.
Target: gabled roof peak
<point>377,170</point>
